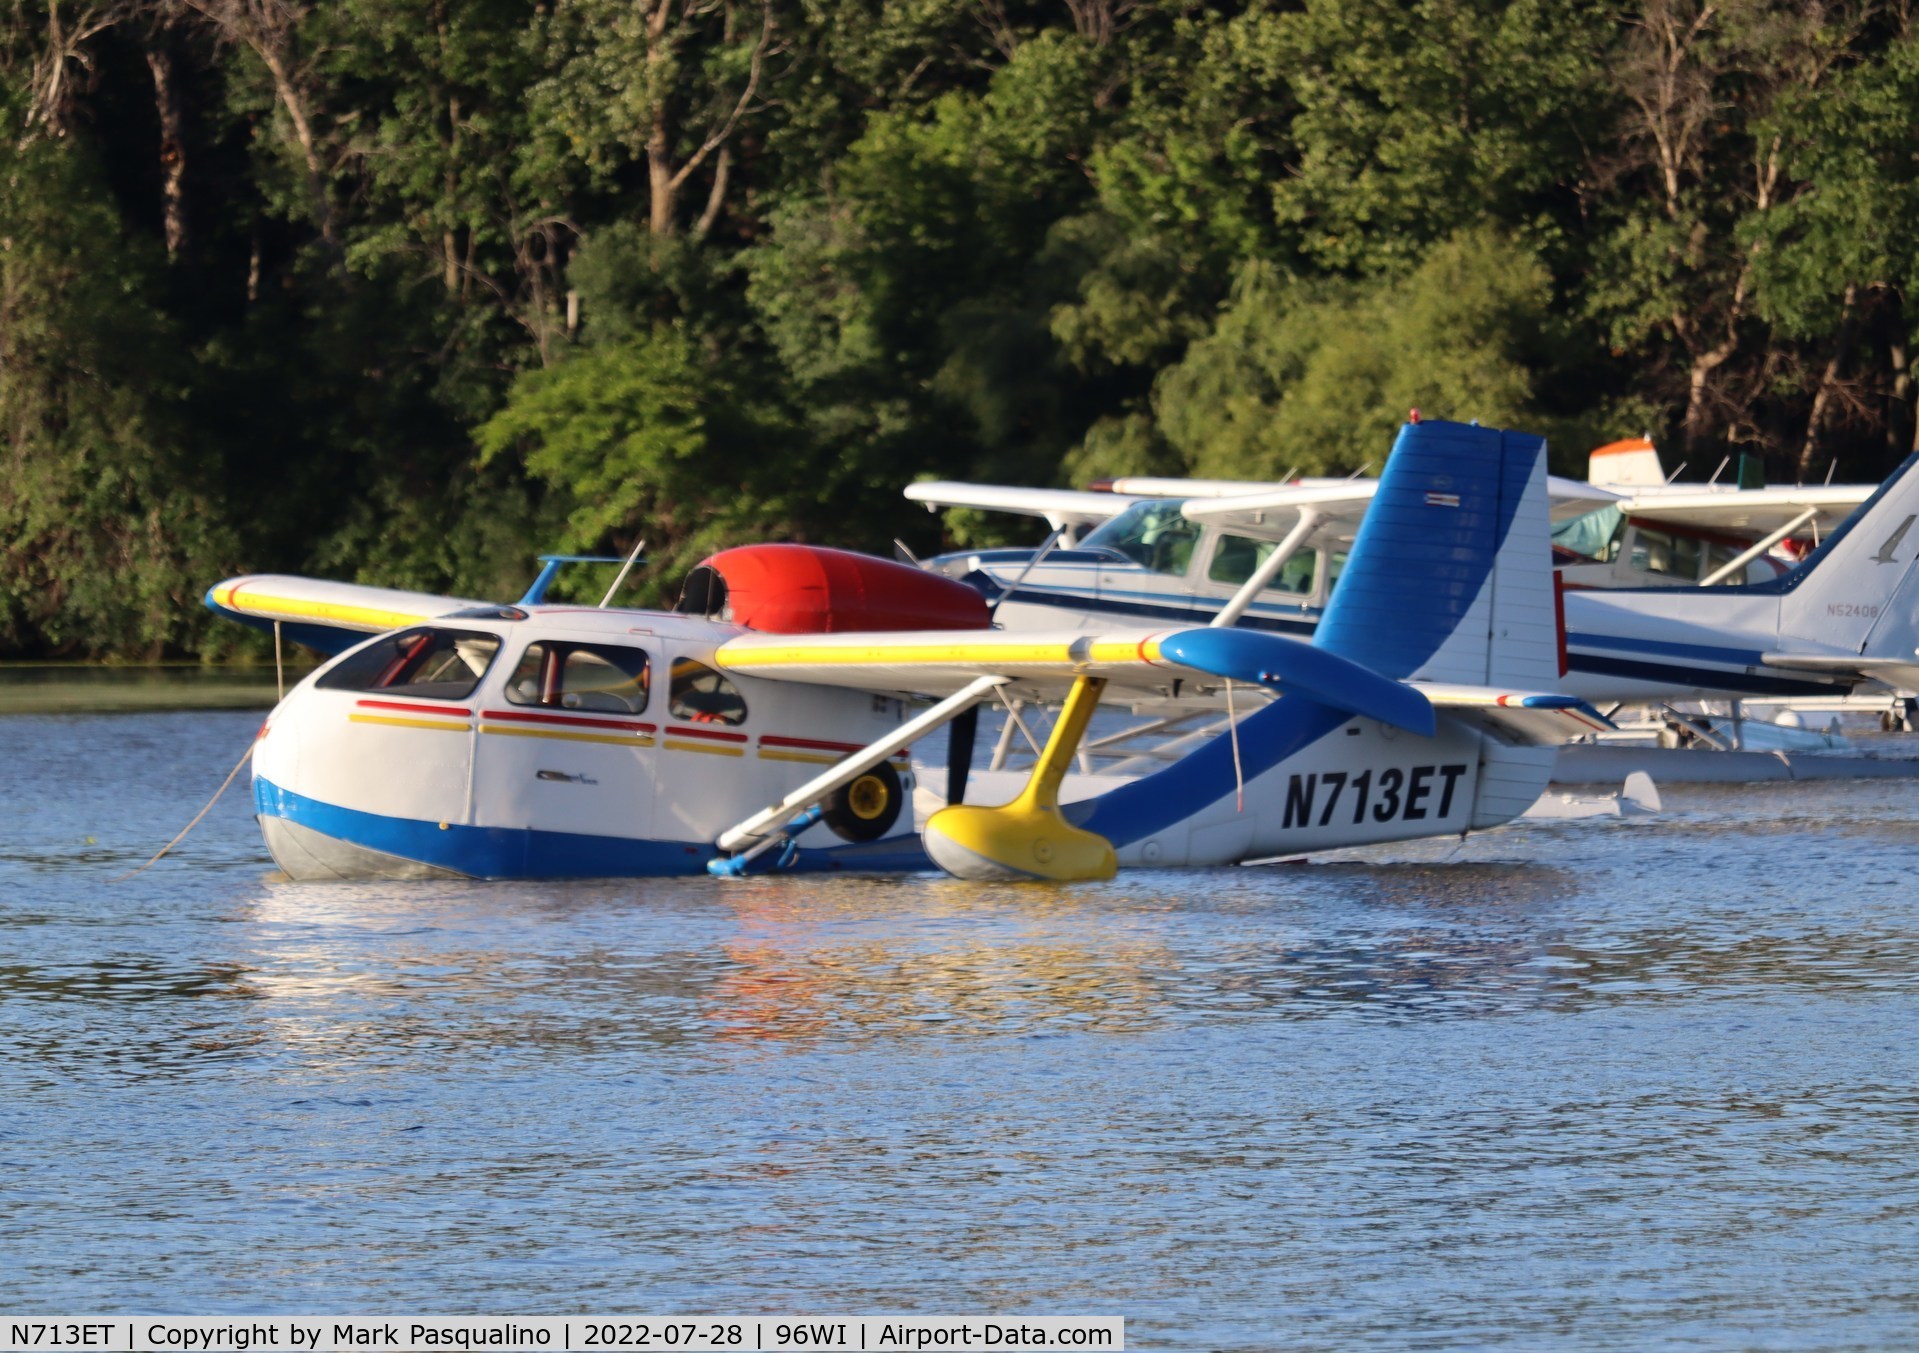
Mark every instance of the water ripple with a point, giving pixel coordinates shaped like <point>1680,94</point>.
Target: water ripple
<point>1598,1085</point>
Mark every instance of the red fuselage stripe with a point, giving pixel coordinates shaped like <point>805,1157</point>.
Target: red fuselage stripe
<point>717,736</point>
<point>810,744</point>
<point>571,720</point>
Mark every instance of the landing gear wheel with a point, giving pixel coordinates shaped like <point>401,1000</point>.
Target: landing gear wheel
<point>867,808</point>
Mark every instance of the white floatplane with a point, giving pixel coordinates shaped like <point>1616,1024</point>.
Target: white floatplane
<point>1267,559</point>
<point>764,721</point>
<point>1627,525</point>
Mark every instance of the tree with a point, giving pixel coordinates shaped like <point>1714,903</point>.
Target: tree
<point>1313,378</point>
<point>643,438</point>
<point>1698,81</point>
<point>1838,258</point>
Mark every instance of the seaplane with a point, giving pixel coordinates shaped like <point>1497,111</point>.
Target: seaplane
<point>1693,604</point>
<point>1627,525</point>
<point>765,721</point>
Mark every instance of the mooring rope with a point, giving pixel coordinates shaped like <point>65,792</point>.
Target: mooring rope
<point>245,757</point>
<point>1232,727</point>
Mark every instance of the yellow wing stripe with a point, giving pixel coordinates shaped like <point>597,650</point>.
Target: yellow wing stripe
<point>617,739</point>
<point>340,613</point>
<point>984,656</point>
<point>443,725</point>
<point>675,746</point>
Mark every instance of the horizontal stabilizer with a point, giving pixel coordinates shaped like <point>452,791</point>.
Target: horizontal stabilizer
<point>1287,665</point>
<point>1529,718</point>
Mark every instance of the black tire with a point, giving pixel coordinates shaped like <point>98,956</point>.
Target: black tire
<point>866,808</point>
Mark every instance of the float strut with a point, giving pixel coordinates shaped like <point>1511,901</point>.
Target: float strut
<point>1028,838</point>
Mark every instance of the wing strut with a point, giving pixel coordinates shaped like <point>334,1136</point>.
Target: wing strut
<point>1268,570</point>
<point>767,820</point>
<point>1732,566</point>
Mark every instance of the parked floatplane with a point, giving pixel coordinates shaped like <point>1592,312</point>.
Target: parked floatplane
<point>766,719</point>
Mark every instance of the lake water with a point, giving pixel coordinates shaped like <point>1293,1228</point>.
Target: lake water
<point>1596,1085</point>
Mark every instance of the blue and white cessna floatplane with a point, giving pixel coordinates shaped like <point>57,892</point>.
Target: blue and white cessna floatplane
<point>1725,624</point>
<point>767,717</point>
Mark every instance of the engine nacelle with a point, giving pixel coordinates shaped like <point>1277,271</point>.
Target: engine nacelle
<point>808,589</point>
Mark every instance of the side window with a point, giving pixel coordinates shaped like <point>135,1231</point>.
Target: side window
<point>596,678</point>
<point>1761,570</point>
<point>424,664</point>
<point>1236,558</point>
<point>1652,551</point>
<point>1685,558</point>
<point>701,695</point>
<point>1335,565</point>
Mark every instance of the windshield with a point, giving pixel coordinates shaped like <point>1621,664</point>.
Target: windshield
<point>424,663</point>
<point>1153,534</point>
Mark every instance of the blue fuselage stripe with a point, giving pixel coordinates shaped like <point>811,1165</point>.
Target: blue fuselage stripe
<point>1155,802</point>
<point>507,852</point>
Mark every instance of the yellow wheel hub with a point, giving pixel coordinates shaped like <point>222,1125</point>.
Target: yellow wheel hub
<point>866,796</point>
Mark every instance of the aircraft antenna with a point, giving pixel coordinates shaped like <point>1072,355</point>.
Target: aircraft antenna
<point>1831,465</point>
<point>1721,470</point>
<point>625,569</point>
<point>1676,473</point>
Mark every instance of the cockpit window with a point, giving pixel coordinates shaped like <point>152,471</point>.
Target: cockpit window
<point>1237,558</point>
<point>422,664</point>
<point>1153,534</point>
<point>596,678</point>
<point>701,695</point>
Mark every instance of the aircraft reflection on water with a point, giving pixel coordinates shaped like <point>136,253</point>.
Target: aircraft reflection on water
<point>363,976</point>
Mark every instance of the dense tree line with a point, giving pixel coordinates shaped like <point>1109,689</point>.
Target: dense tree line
<point>406,290</point>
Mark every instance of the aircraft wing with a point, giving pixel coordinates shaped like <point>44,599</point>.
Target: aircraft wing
<point>1753,512</point>
<point>939,662</point>
<point>1059,507</point>
<point>1569,498</point>
<point>1902,673</point>
<point>1147,486</point>
<point>327,616</point>
<point>1273,513</point>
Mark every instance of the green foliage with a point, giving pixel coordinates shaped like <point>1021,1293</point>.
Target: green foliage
<point>1855,143</point>
<point>413,290</point>
<point>1316,376</point>
<point>110,526</point>
<point>640,438</point>
<point>1415,120</point>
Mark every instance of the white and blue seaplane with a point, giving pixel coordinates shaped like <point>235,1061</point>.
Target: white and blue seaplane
<point>1679,599</point>
<point>767,718</point>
